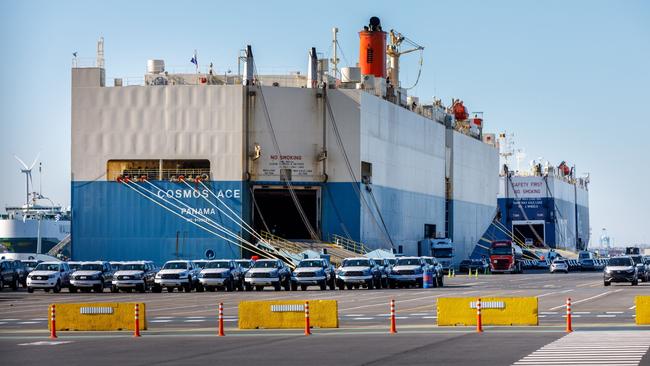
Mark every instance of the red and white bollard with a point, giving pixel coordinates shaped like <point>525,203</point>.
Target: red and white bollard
<point>479,322</point>
<point>221,333</point>
<point>53,321</point>
<point>307,327</point>
<point>393,326</point>
<point>569,328</point>
<point>136,327</point>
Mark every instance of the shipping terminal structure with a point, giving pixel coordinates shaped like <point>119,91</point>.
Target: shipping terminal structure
<point>340,160</point>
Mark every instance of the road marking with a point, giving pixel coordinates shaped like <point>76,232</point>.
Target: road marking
<point>555,292</point>
<point>429,317</point>
<point>614,312</point>
<point>419,314</point>
<point>548,312</point>
<point>1,323</point>
<point>195,317</point>
<point>28,322</point>
<point>632,307</point>
<point>39,319</point>
<point>164,317</point>
<point>160,321</point>
<point>592,348</point>
<point>354,315</point>
<point>44,343</point>
<point>606,316</point>
<point>587,299</point>
<point>582,312</point>
<point>366,318</point>
<point>588,284</point>
<point>194,320</point>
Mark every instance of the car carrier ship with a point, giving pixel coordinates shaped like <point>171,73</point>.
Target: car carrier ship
<point>203,164</point>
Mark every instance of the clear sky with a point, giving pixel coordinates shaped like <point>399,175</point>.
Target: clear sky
<point>570,79</point>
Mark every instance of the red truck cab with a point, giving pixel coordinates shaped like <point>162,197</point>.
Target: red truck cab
<point>505,257</point>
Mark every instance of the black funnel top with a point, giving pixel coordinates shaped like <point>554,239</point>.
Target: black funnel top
<point>374,24</point>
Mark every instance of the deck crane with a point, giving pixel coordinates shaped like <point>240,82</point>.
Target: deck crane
<point>393,50</point>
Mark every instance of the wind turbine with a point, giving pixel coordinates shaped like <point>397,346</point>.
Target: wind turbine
<point>28,174</point>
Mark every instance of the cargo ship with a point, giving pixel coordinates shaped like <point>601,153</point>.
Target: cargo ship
<point>205,164</point>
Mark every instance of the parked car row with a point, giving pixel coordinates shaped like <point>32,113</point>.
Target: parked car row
<point>629,268</point>
<point>225,274</point>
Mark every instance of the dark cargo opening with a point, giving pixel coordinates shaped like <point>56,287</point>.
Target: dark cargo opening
<point>525,233</point>
<point>281,215</point>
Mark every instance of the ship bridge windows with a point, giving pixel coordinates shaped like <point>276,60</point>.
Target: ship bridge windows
<point>158,169</point>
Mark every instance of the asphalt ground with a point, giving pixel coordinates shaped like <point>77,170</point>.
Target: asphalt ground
<point>182,326</point>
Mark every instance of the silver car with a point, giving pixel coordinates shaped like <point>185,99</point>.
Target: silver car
<point>49,276</point>
<point>559,265</point>
<point>268,272</point>
<point>406,272</point>
<point>179,274</point>
<point>92,276</point>
<point>137,276</point>
<point>313,272</point>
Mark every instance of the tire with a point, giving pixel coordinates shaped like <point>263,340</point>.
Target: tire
<point>303,287</point>
<point>332,284</point>
<point>170,289</point>
<point>341,285</point>
<point>348,286</point>
<point>2,284</point>
<point>114,289</point>
<point>30,290</point>
<point>384,283</point>
<point>635,282</point>
<point>199,287</point>
<point>15,285</point>
<point>287,284</point>
<point>229,286</point>
<point>277,286</point>
<point>141,288</point>
<point>440,282</point>
<point>294,286</point>
<point>188,287</point>
<point>323,286</point>
<point>248,287</point>
<point>210,288</point>
<point>85,289</point>
<point>605,283</point>
<point>99,288</point>
<point>259,288</point>
<point>57,287</point>
<point>370,284</point>
<point>156,289</point>
<point>46,289</point>
<point>391,284</point>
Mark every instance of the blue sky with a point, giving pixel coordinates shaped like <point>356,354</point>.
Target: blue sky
<point>569,78</point>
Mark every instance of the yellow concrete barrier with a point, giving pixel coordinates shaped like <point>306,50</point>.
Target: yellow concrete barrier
<point>101,316</point>
<point>494,311</point>
<point>275,314</point>
<point>642,310</point>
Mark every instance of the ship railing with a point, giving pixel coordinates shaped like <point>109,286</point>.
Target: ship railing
<point>281,243</point>
<point>160,174</point>
<point>349,244</point>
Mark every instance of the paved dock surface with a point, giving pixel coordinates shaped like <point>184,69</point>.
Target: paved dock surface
<point>182,326</point>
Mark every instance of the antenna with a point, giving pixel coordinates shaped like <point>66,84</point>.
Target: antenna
<point>27,170</point>
<point>335,59</point>
<point>100,53</point>
<point>40,179</point>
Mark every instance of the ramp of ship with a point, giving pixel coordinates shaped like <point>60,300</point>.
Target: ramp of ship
<point>338,249</point>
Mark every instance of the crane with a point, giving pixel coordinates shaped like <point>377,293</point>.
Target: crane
<point>394,51</point>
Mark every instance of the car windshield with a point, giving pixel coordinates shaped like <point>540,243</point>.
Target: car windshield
<point>559,261</point>
<point>620,262</point>
<point>501,250</point>
<point>132,267</point>
<point>74,265</point>
<point>588,261</point>
<point>356,263</point>
<point>47,267</point>
<point>408,262</point>
<point>30,263</point>
<point>175,265</point>
<point>304,264</point>
<point>220,264</point>
<point>392,261</point>
<point>200,264</point>
<point>91,267</point>
<point>265,264</point>
<point>245,264</point>
<point>443,253</point>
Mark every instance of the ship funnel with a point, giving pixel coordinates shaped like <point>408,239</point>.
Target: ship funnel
<point>312,69</point>
<point>249,67</point>
<point>372,49</point>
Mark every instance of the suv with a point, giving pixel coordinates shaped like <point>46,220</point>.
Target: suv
<point>559,265</point>
<point>245,265</point>
<point>436,271</point>
<point>357,272</point>
<point>268,272</point>
<point>640,266</point>
<point>223,273</point>
<point>92,276</point>
<point>8,275</point>
<point>137,275</point>
<point>406,272</point>
<point>21,270</point>
<point>313,272</point>
<point>179,274</point>
<point>49,275</point>
<point>621,269</point>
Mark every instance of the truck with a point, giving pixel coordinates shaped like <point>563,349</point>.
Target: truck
<point>442,249</point>
<point>632,251</point>
<point>505,257</point>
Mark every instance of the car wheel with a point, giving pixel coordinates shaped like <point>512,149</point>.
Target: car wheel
<point>287,284</point>
<point>188,286</point>
<point>248,287</point>
<point>441,281</point>
<point>391,284</point>
<point>229,286</point>
<point>276,286</point>
<point>114,289</point>
<point>341,285</point>
<point>170,289</point>
<point>303,287</point>
<point>259,288</point>
<point>369,284</point>
<point>348,286</point>
<point>141,288</point>
<point>635,282</point>
<point>156,289</point>
<point>15,285</point>
<point>332,284</point>
<point>605,283</point>
<point>199,287</point>
<point>57,287</point>
<point>294,286</point>
<point>100,287</point>
<point>30,289</point>
<point>2,284</point>
<point>323,285</point>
